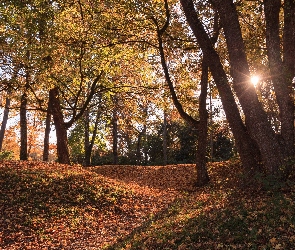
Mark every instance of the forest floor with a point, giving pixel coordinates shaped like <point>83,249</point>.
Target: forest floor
<point>53,206</point>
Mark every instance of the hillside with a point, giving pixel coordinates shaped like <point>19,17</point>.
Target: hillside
<point>53,206</point>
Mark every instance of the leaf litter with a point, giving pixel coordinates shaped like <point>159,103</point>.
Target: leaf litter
<point>54,206</point>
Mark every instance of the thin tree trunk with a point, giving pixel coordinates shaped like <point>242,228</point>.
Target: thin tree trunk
<point>23,128</point>
<point>91,144</point>
<point>165,157</point>
<point>47,133</point>
<point>61,131</point>
<point>4,121</point>
<point>87,149</point>
<point>138,153</point>
<point>145,146</point>
<point>115,133</point>
<point>202,173</point>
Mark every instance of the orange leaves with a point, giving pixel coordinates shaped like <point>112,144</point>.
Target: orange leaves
<point>59,206</point>
<point>54,205</point>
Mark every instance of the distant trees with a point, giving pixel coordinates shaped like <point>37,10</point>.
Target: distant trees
<point>108,73</point>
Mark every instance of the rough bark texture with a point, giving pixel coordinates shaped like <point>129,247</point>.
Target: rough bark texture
<point>256,118</point>
<point>4,121</point>
<point>23,128</point>
<point>281,72</point>
<point>246,147</point>
<point>202,174</point>
<point>61,131</point>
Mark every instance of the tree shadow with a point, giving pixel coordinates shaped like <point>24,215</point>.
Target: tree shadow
<point>240,222</point>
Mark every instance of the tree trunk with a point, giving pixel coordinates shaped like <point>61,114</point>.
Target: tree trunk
<point>61,131</point>
<point>202,174</point>
<point>47,133</point>
<point>165,157</point>
<point>246,146</point>
<point>4,121</point>
<point>138,153</point>
<point>145,149</point>
<point>87,150</point>
<point>282,73</point>
<point>23,127</point>
<point>256,119</point>
<point>115,133</point>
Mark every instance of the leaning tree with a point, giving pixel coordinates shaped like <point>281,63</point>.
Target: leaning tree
<point>256,140</point>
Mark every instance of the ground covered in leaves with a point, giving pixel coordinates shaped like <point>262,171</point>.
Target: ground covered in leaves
<point>52,206</point>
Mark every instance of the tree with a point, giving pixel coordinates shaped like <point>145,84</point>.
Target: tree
<point>202,174</point>
<point>255,139</point>
<point>4,120</point>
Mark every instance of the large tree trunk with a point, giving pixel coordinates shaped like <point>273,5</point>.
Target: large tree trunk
<point>202,174</point>
<point>282,72</point>
<point>61,131</point>
<point>246,146</point>
<point>256,118</point>
<point>4,121</point>
<point>47,133</point>
<point>23,127</point>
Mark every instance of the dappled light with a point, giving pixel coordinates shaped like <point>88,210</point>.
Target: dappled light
<point>150,124</point>
<point>123,207</point>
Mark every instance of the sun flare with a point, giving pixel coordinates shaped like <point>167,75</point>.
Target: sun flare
<point>255,80</point>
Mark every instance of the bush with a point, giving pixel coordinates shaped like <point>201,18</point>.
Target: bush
<point>6,155</point>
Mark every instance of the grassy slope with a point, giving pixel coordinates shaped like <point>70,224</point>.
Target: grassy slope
<point>68,207</point>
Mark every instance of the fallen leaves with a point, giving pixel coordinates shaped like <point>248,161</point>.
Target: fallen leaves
<point>57,206</point>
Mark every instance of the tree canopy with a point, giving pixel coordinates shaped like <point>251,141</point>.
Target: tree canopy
<point>116,73</point>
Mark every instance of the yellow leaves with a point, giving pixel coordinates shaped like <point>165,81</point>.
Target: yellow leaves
<point>275,244</point>
<point>273,241</point>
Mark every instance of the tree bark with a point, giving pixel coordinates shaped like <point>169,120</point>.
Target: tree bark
<point>87,149</point>
<point>4,121</point>
<point>61,131</point>
<point>246,146</point>
<point>281,72</point>
<point>23,128</point>
<point>115,132</point>
<point>202,173</point>
<point>165,157</point>
<point>259,127</point>
<point>138,145</point>
<point>47,133</point>
<point>88,156</point>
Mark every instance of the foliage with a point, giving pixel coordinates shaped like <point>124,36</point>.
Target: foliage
<point>6,155</point>
<point>222,142</point>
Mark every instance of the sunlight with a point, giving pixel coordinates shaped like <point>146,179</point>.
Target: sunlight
<point>254,80</point>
